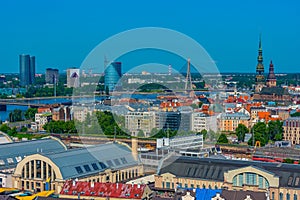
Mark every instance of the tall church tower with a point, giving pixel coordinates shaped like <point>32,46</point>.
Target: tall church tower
<point>271,79</point>
<point>259,78</point>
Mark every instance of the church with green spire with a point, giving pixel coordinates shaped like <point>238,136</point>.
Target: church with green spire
<point>260,70</point>
<point>267,90</point>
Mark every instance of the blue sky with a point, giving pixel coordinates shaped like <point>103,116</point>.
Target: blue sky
<point>60,33</point>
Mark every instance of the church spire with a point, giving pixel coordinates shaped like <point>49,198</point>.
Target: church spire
<point>259,78</point>
<point>271,80</point>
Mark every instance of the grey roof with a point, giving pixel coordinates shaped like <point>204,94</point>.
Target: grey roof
<point>274,90</point>
<point>214,169</point>
<point>12,153</point>
<point>92,160</point>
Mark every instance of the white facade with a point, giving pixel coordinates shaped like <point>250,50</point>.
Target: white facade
<point>140,121</point>
<point>199,122</point>
<point>80,113</point>
<point>73,76</point>
<point>41,119</point>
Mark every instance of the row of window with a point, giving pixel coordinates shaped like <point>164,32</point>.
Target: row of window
<point>250,179</point>
<point>179,185</point>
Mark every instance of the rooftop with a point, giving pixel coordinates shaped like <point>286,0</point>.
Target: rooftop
<point>112,190</point>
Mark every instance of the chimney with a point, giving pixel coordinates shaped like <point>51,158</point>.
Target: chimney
<point>117,185</point>
<point>134,148</point>
<point>74,183</point>
<point>92,184</point>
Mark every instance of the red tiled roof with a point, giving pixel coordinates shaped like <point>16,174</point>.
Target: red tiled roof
<point>113,190</point>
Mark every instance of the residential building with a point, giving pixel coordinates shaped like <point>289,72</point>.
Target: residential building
<point>140,121</point>
<point>27,70</point>
<point>73,77</point>
<point>61,113</point>
<point>113,72</point>
<point>52,76</point>
<point>291,130</point>
<point>229,121</point>
<point>80,113</point>
<point>199,122</point>
<point>173,120</point>
<point>110,162</point>
<point>41,119</point>
<point>233,175</point>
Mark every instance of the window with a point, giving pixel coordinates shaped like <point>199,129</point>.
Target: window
<point>87,168</point>
<point>79,170</point>
<point>241,180</point>
<point>123,160</point>
<point>290,181</point>
<point>295,197</point>
<point>288,196</point>
<point>109,163</point>
<point>167,184</point>
<point>260,181</point>
<point>297,181</point>
<point>10,160</point>
<point>273,196</point>
<point>95,167</point>
<point>234,181</point>
<point>102,165</point>
<point>280,196</point>
<point>250,178</point>
<point>117,162</point>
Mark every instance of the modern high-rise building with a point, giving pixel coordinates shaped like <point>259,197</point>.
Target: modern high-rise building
<point>73,78</point>
<point>113,73</point>
<point>27,69</point>
<point>52,76</point>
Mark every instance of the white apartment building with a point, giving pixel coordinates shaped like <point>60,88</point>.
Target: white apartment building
<point>140,121</point>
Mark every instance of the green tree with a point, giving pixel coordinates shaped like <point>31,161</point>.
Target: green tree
<point>16,115</point>
<point>4,128</point>
<point>30,113</point>
<point>106,90</point>
<point>275,130</point>
<point>296,114</point>
<point>260,134</point>
<point>288,160</point>
<point>240,131</point>
<point>141,133</point>
<point>223,139</point>
<point>203,132</point>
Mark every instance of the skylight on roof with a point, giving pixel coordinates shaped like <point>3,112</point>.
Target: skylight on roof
<point>87,168</point>
<point>18,158</point>
<point>95,167</point>
<point>117,162</point>
<point>10,160</point>
<point>124,161</point>
<point>79,170</point>
<point>109,163</point>
<point>102,165</point>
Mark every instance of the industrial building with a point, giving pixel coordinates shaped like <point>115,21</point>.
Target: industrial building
<point>110,162</point>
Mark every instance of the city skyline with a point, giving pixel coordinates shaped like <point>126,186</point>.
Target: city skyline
<point>229,31</point>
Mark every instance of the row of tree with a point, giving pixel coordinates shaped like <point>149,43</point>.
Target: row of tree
<point>18,115</point>
<point>263,132</point>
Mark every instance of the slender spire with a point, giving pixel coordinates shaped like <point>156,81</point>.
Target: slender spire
<point>259,45</point>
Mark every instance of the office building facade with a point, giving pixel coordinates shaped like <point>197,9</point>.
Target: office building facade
<point>73,78</point>
<point>113,73</point>
<point>291,130</point>
<point>27,69</point>
<point>52,76</point>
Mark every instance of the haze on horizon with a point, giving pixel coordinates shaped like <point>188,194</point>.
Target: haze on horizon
<point>61,33</point>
